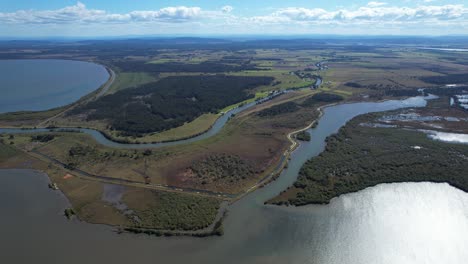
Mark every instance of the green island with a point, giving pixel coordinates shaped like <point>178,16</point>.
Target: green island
<point>172,92</point>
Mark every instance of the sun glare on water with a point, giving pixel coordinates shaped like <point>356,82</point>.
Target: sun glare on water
<point>397,223</point>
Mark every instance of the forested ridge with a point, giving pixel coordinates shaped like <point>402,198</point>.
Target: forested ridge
<point>207,66</point>
<point>446,79</point>
<point>283,108</point>
<point>169,102</point>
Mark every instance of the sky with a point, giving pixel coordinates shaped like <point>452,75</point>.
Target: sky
<point>99,18</point>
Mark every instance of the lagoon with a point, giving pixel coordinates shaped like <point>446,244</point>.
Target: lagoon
<point>32,85</point>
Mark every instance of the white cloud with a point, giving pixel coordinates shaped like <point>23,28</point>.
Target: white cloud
<point>376,4</point>
<point>227,9</point>
<point>376,12</point>
<point>373,17</point>
<point>179,13</point>
<point>79,13</point>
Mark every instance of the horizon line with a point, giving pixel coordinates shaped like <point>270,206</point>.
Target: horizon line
<point>226,36</point>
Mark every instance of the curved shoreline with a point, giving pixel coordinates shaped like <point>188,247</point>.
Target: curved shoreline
<point>284,158</point>
<point>101,88</point>
<point>41,127</point>
<point>214,228</point>
<point>100,91</point>
<point>263,182</point>
<point>115,143</point>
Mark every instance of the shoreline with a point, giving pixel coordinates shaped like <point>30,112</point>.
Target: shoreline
<point>102,91</point>
<point>281,165</point>
<point>283,203</point>
<point>215,228</point>
<point>106,85</point>
<point>91,96</point>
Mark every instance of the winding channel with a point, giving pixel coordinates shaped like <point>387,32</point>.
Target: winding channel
<point>100,138</point>
<point>254,233</point>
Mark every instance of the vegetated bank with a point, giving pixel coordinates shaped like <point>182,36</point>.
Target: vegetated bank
<point>139,208</point>
<point>361,156</point>
<point>169,102</point>
<point>230,162</point>
<point>303,136</point>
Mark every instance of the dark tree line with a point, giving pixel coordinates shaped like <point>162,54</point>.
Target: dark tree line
<point>447,79</point>
<point>353,84</point>
<point>447,91</point>
<point>402,92</point>
<point>42,138</point>
<point>322,97</point>
<point>169,102</point>
<point>288,107</point>
<point>359,157</point>
<point>303,136</point>
<point>207,66</point>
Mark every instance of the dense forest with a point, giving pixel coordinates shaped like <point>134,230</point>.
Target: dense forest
<point>447,91</point>
<point>402,92</point>
<point>222,167</point>
<point>169,102</point>
<point>447,79</point>
<point>42,138</point>
<point>288,107</point>
<point>303,136</point>
<point>359,157</point>
<point>207,66</point>
<point>322,97</point>
<point>173,211</point>
<point>353,85</point>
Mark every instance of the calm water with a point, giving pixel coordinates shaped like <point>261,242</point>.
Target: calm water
<point>216,128</point>
<point>391,223</point>
<point>45,84</point>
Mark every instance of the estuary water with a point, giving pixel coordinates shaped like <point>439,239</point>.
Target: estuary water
<point>98,136</point>
<point>390,223</point>
<point>45,84</point>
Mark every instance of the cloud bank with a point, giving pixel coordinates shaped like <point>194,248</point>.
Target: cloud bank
<point>377,15</point>
<point>373,12</point>
<point>79,13</point>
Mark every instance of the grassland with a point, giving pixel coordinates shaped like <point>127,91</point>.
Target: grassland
<point>252,138</point>
<point>126,80</point>
<point>27,119</point>
<point>283,79</point>
<point>375,71</point>
<point>399,69</point>
<point>150,209</point>
<point>187,130</point>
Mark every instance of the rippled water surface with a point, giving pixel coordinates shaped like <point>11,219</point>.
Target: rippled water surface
<point>395,223</point>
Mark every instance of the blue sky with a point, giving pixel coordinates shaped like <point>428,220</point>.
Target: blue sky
<point>31,18</point>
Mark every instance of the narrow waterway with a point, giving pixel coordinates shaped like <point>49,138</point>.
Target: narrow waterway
<point>99,137</point>
<point>391,223</point>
